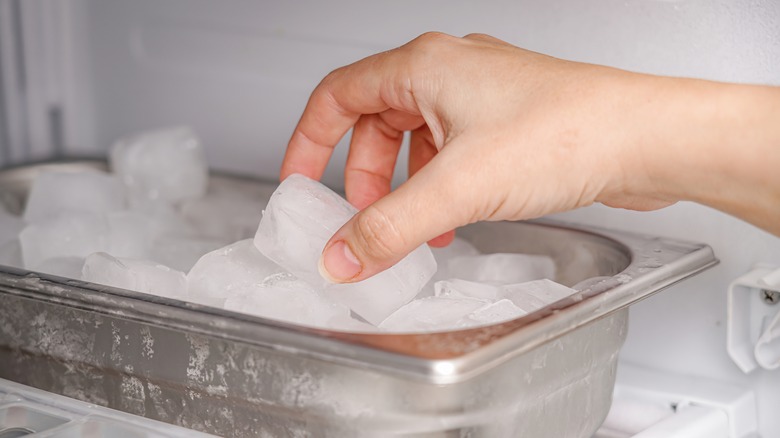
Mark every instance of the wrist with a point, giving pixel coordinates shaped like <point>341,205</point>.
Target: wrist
<point>712,143</point>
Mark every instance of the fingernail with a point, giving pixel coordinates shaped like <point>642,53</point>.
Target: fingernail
<point>338,263</point>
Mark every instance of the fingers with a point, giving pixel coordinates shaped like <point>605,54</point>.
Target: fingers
<point>334,107</point>
<point>323,123</point>
<point>389,229</point>
<point>421,151</point>
<point>373,152</point>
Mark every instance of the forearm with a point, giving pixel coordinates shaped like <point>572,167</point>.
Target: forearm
<point>716,144</point>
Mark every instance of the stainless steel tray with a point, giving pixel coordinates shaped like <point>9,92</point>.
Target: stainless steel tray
<point>549,373</point>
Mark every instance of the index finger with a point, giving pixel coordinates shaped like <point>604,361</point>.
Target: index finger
<point>334,107</point>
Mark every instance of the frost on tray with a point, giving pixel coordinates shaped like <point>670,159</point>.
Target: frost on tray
<point>299,220</point>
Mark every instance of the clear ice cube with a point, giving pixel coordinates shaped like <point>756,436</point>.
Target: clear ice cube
<point>138,275</point>
<point>493,313</point>
<point>182,252</point>
<point>58,193</point>
<point>220,273</point>
<point>534,295</point>
<point>226,217</point>
<point>76,235</point>
<point>431,314</point>
<point>457,288</point>
<point>130,234</point>
<point>164,165</point>
<point>298,221</point>
<point>501,268</point>
<point>527,296</point>
<point>290,300</point>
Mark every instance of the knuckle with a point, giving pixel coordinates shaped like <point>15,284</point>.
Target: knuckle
<point>477,36</point>
<point>432,39</point>
<point>374,234</point>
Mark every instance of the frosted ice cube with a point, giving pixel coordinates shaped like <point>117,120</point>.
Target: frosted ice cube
<point>167,164</point>
<point>221,272</point>
<point>227,217</point>
<point>301,217</point>
<point>431,314</point>
<point>57,193</point>
<point>68,267</point>
<point>493,313</point>
<point>501,268</point>
<point>130,234</point>
<point>458,248</point>
<point>10,227</point>
<point>76,235</point>
<point>534,295</point>
<point>528,296</point>
<point>166,219</point>
<point>138,275</point>
<point>457,288</point>
<point>289,300</point>
<point>182,252</point>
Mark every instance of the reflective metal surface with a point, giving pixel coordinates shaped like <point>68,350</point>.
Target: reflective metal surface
<point>176,361</point>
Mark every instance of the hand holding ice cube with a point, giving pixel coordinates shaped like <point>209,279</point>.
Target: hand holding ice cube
<point>501,133</point>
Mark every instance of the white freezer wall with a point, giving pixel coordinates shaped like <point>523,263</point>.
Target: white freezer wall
<point>240,72</point>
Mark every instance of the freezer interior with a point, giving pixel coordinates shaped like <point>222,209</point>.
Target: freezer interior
<point>79,74</point>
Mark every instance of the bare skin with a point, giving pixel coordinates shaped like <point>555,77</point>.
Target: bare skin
<point>501,133</point>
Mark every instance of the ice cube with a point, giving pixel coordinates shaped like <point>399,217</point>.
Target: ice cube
<point>130,234</point>
<point>57,193</point>
<point>167,164</point>
<point>182,252</point>
<point>459,247</point>
<point>534,295</point>
<point>431,314</point>
<point>493,313</point>
<point>501,268</point>
<point>10,227</point>
<point>76,235</point>
<point>225,216</point>
<point>457,288</point>
<point>138,275</point>
<point>68,267</point>
<point>298,221</point>
<point>289,300</point>
<point>221,272</point>
<point>528,296</point>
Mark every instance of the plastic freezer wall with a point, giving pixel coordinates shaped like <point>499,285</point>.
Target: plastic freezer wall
<point>79,73</point>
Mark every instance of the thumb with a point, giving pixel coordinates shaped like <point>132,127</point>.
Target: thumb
<point>379,236</point>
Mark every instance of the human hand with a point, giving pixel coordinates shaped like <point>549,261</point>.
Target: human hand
<point>498,133</point>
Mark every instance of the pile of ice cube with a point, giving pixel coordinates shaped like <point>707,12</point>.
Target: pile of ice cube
<point>154,226</point>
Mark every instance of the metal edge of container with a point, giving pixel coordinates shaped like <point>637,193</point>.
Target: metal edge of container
<point>475,350</point>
